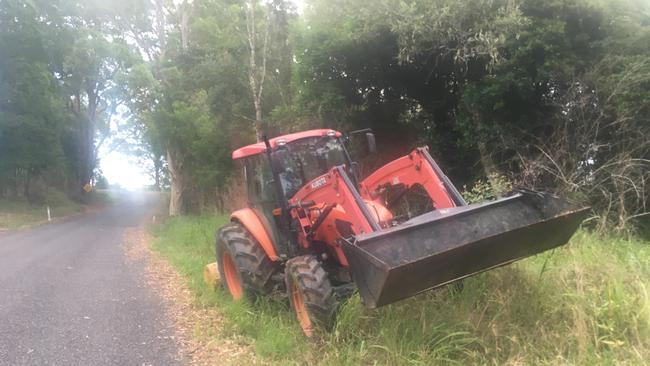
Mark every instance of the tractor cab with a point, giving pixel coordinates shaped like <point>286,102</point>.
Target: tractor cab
<point>297,159</point>
<point>299,162</point>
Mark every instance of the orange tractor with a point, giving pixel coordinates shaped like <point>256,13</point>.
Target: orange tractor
<point>317,230</point>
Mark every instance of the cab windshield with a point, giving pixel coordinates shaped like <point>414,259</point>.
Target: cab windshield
<point>301,161</point>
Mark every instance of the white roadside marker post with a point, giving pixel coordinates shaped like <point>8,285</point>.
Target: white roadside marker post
<point>49,217</point>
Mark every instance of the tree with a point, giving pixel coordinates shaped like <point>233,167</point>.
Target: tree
<point>257,68</point>
<point>89,74</point>
<point>493,84</point>
<point>194,103</point>
<point>33,129</point>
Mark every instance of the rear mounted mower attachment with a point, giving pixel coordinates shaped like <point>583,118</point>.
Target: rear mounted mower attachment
<point>442,246</point>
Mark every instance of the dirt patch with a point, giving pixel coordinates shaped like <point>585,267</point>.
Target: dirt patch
<point>194,324</point>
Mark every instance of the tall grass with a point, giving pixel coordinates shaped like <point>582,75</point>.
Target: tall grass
<point>585,303</point>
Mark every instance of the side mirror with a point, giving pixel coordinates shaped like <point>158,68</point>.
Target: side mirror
<point>372,145</point>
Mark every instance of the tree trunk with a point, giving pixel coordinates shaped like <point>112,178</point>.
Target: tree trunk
<point>259,128</point>
<point>256,73</point>
<point>489,168</point>
<point>174,160</point>
<point>157,170</point>
<point>185,18</point>
<point>160,28</point>
<point>175,200</point>
<point>486,160</point>
<point>175,166</point>
<point>88,157</point>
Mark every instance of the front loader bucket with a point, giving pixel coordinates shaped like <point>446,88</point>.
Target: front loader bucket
<point>445,245</point>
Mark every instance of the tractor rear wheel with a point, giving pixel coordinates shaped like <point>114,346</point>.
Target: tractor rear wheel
<point>310,293</point>
<point>245,268</point>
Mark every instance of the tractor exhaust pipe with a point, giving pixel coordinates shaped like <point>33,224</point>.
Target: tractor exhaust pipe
<point>446,245</point>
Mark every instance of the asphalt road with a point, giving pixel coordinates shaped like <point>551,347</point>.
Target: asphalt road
<point>69,296</point>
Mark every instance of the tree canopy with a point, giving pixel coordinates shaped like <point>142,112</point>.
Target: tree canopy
<point>552,94</point>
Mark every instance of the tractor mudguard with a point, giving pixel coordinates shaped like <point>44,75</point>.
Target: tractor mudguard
<point>446,245</point>
<point>253,224</point>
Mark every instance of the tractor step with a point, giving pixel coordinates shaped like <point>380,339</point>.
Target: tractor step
<point>446,245</point>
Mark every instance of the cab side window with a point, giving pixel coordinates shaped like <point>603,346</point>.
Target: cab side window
<point>259,180</point>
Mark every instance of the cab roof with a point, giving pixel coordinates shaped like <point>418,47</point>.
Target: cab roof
<point>260,147</point>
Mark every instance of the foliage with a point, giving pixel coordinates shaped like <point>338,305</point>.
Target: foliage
<point>31,114</point>
<point>581,304</point>
<point>551,116</point>
<point>57,73</point>
<point>494,187</point>
<point>194,104</point>
<point>552,94</point>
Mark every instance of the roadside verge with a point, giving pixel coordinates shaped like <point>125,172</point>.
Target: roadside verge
<point>19,214</point>
<point>195,324</point>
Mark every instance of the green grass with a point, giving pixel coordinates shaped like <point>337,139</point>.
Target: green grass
<point>586,303</point>
<point>18,213</point>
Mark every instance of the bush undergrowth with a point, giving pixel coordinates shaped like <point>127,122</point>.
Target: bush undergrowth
<point>585,303</point>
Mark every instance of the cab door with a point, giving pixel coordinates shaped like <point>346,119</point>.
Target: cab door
<point>262,199</point>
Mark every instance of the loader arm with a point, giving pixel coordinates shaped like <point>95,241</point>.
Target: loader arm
<point>329,208</point>
<point>416,168</point>
<point>335,188</point>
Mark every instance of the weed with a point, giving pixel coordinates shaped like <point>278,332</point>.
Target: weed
<point>485,190</point>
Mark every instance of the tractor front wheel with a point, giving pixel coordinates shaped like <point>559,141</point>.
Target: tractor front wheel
<point>244,267</point>
<point>310,293</point>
